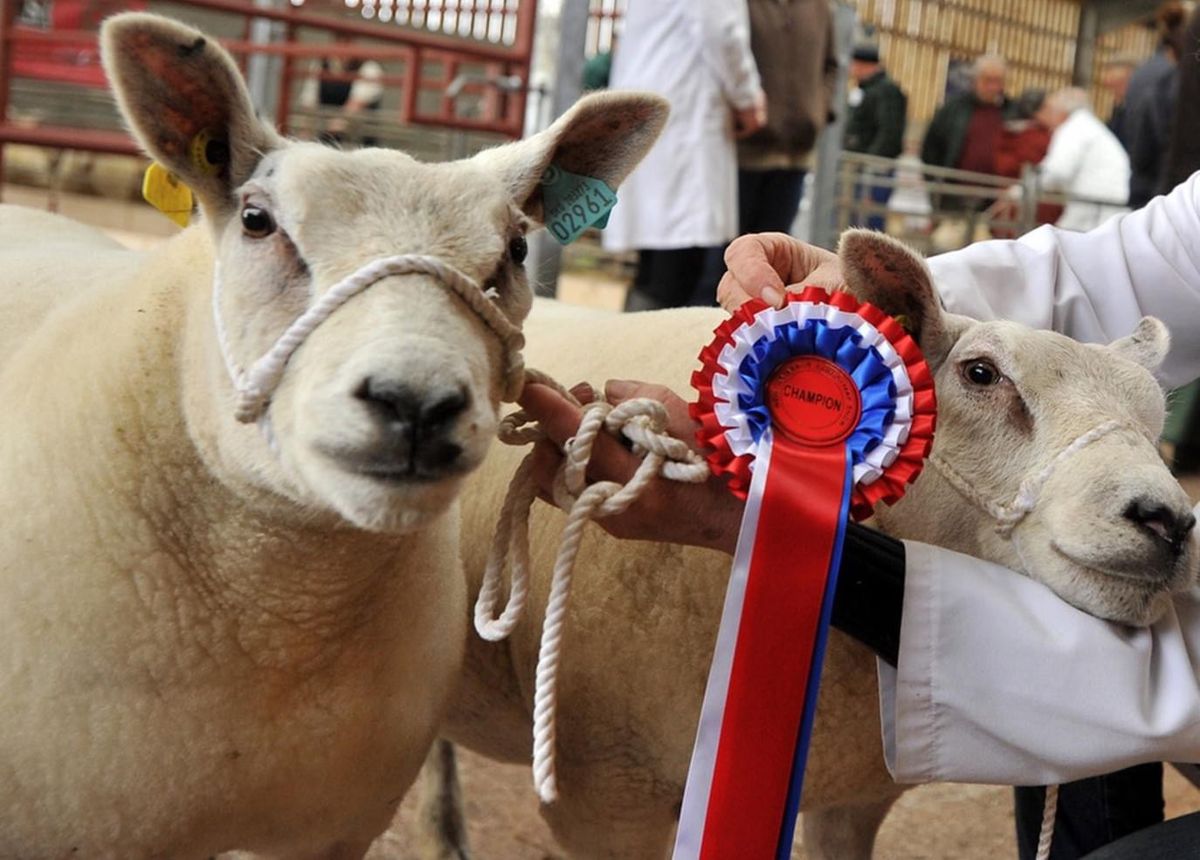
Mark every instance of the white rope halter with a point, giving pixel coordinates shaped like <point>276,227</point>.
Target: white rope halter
<point>1008,515</point>
<point>256,385</point>
<point>642,421</point>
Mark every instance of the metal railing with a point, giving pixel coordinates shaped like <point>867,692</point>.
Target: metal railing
<point>939,209</point>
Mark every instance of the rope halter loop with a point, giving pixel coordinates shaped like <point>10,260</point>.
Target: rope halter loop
<point>642,422</point>
<point>256,386</point>
<point>1008,515</point>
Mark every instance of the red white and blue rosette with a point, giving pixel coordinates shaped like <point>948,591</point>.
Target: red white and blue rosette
<point>815,412</point>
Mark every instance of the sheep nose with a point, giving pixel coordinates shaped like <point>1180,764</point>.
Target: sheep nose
<point>419,416</point>
<point>1173,526</point>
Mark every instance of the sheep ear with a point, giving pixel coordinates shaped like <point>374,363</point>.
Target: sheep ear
<point>184,100</point>
<point>603,136</point>
<point>1147,345</point>
<point>895,279</point>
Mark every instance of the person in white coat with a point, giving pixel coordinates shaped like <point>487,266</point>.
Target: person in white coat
<point>968,626</point>
<point>682,199</point>
<point>1085,160</point>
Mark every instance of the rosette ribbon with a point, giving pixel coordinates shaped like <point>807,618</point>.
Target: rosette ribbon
<point>815,412</point>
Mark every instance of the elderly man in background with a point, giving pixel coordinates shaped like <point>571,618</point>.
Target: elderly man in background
<point>965,134</point>
<point>965,131</point>
<point>1085,159</point>
<point>681,201</point>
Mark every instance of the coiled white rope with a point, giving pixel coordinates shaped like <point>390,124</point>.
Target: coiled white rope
<point>643,422</point>
<point>255,386</point>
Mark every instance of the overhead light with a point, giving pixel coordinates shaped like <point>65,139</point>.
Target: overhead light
<point>368,11</point>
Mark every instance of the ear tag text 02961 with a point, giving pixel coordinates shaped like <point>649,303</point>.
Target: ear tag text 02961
<point>573,203</point>
<point>163,190</point>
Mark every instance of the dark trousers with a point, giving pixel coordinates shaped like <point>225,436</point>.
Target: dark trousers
<point>1177,839</point>
<point>667,278</point>
<point>768,201</point>
<point>1092,812</point>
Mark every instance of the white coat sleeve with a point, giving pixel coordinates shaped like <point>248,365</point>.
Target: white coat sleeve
<point>1000,681</point>
<point>1093,286</point>
<point>725,45</point>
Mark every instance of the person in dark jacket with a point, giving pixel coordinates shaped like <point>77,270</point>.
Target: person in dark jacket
<point>1115,77</point>
<point>876,124</point>
<point>1150,108</point>
<point>875,127</point>
<point>965,131</point>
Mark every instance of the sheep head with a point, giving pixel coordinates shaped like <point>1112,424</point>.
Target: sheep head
<point>1044,457</point>
<point>390,401</point>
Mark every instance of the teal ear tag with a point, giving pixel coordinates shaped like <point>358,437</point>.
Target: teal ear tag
<point>573,203</point>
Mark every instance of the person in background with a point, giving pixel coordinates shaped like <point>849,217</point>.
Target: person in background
<point>1183,153</point>
<point>681,201</point>
<point>350,87</point>
<point>1084,159</point>
<point>1023,142</point>
<point>1114,77</point>
<point>1150,107</point>
<point>876,123</point>
<point>965,134</point>
<point>597,70</point>
<point>965,131</point>
<point>792,42</point>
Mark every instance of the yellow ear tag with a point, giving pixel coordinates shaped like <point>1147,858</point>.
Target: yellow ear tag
<point>163,190</point>
<point>904,323</point>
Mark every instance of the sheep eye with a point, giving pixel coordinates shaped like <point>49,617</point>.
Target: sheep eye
<point>257,223</point>
<point>980,372</point>
<point>518,248</point>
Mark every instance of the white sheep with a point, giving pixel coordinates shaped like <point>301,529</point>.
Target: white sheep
<point>214,637</point>
<point>643,617</point>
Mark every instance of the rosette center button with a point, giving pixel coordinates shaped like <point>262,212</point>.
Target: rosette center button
<point>813,401</point>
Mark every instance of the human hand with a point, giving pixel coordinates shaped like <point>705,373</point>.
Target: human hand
<point>762,265</point>
<point>748,120</point>
<point>705,515</point>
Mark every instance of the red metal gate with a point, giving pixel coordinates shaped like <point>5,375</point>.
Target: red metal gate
<point>432,43</point>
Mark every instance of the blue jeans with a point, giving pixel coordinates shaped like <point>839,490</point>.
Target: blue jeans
<point>870,192</point>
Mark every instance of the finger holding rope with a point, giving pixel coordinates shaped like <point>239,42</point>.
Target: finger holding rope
<point>559,419</point>
<point>698,514</point>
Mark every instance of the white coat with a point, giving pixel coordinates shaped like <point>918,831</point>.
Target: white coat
<point>1085,159</point>
<point>998,680</point>
<point>696,53</point>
